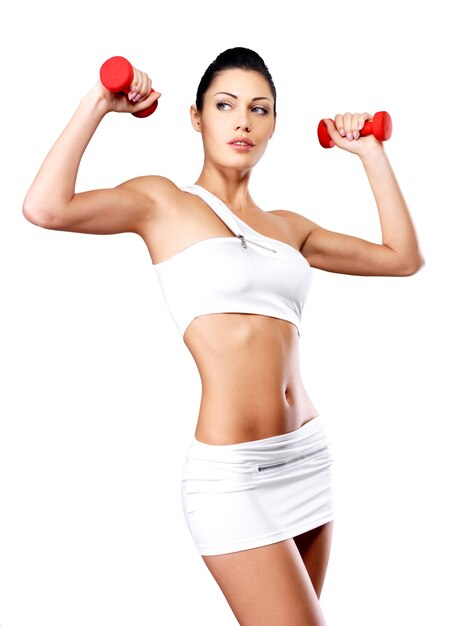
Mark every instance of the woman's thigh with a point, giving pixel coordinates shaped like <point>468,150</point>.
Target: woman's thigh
<point>314,547</point>
<point>267,585</point>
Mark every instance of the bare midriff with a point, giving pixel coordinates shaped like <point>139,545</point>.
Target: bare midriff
<point>250,376</point>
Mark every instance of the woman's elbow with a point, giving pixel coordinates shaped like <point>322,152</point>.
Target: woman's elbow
<point>31,213</point>
<point>39,216</point>
<point>413,267</point>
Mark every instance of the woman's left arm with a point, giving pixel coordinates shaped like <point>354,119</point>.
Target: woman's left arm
<point>399,253</point>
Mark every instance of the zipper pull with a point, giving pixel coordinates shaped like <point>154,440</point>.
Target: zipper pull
<point>242,240</point>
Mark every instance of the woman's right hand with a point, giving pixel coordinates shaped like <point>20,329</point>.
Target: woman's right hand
<point>139,97</point>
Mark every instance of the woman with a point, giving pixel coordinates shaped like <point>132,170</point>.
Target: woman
<point>257,483</point>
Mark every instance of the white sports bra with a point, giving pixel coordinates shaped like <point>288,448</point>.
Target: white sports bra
<point>245,273</point>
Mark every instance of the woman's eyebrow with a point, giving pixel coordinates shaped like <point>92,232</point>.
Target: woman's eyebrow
<point>234,96</point>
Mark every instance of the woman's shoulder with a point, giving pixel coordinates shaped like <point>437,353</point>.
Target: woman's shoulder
<point>154,185</point>
<point>296,222</point>
<point>292,216</point>
<point>164,192</point>
<point>293,228</point>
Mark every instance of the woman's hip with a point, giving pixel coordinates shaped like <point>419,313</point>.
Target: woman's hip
<point>257,492</point>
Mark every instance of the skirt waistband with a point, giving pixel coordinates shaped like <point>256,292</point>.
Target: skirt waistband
<point>312,432</point>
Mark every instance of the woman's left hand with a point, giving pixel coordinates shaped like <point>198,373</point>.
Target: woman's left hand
<point>345,133</point>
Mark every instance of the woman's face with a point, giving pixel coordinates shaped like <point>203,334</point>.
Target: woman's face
<point>238,105</point>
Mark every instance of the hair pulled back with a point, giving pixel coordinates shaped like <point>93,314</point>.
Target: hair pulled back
<point>234,58</point>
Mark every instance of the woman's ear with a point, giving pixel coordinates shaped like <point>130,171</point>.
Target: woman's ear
<point>274,127</point>
<point>195,118</point>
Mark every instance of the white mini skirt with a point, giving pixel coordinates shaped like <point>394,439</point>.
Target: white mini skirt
<point>250,494</point>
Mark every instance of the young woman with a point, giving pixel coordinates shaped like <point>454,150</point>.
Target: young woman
<point>257,482</point>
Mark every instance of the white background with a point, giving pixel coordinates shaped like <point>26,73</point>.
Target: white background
<point>99,394</point>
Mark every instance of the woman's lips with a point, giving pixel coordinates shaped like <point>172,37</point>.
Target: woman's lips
<point>241,147</point>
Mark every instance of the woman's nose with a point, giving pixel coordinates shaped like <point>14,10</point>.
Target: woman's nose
<point>242,123</point>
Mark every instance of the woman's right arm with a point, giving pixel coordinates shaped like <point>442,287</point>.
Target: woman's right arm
<point>51,201</point>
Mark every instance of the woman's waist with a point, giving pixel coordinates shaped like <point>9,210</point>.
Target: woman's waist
<point>311,440</point>
<point>230,415</point>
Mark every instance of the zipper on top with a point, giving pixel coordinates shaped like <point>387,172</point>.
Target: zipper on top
<point>243,241</point>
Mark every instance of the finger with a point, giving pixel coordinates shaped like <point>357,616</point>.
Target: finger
<point>332,130</point>
<point>136,85</point>
<point>145,89</point>
<point>147,86</point>
<point>347,118</point>
<point>355,126</point>
<point>146,102</point>
<point>142,92</point>
<point>363,118</point>
<point>339,123</point>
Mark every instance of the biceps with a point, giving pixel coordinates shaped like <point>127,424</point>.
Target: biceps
<point>345,254</point>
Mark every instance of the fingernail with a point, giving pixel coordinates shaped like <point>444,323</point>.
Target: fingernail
<point>130,95</point>
<point>349,136</point>
<point>356,134</point>
<point>341,132</point>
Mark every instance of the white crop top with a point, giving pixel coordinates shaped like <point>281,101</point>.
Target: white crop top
<point>246,273</point>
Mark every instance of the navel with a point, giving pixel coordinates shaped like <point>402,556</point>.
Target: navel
<point>287,395</point>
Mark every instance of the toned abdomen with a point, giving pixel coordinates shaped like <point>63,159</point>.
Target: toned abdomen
<point>250,376</point>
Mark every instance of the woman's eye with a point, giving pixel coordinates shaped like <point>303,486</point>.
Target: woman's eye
<point>260,110</point>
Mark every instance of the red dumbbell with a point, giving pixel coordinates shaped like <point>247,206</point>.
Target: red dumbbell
<point>116,75</point>
<point>380,126</point>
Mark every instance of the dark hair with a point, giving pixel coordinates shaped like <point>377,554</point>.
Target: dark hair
<point>233,58</point>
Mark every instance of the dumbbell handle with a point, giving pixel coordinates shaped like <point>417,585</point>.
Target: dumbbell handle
<point>380,126</point>
<point>116,75</point>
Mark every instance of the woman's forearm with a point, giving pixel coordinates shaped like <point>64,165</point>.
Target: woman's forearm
<point>54,186</point>
<point>398,231</point>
